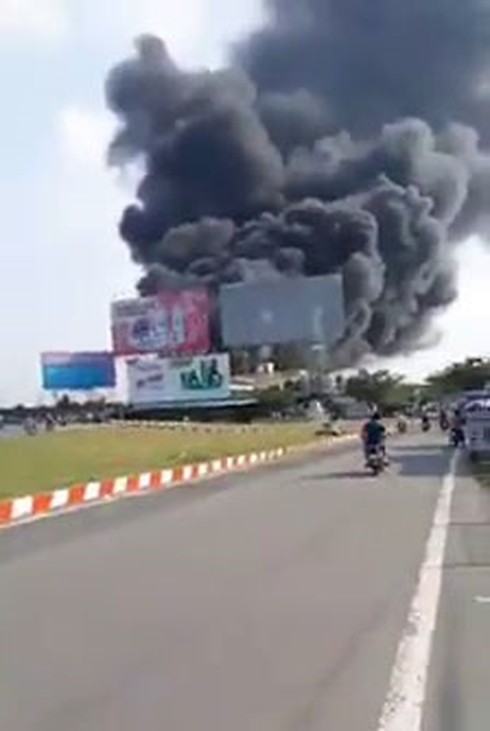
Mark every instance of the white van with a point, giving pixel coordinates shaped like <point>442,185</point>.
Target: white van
<point>477,428</point>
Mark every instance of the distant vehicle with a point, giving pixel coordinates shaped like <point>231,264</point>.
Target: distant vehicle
<point>401,425</point>
<point>31,427</point>
<point>444,421</point>
<point>475,419</point>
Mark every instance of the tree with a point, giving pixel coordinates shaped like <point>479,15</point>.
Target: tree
<point>277,399</point>
<point>471,374</point>
<point>64,404</point>
<point>382,388</point>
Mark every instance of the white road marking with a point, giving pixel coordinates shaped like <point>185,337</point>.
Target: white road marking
<point>188,473</point>
<point>404,704</point>
<point>482,599</point>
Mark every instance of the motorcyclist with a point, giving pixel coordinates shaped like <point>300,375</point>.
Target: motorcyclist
<point>443,420</point>
<point>374,435</point>
<point>402,424</point>
<point>458,424</point>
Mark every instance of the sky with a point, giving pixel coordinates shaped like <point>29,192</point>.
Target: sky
<point>61,261</point>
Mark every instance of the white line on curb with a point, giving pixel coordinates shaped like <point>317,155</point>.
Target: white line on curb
<point>59,498</point>
<point>92,491</point>
<point>22,507</point>
<point>145,481</point>
<point>404,705</point>
<point>202,469</point>
<point>188,473</point>
<point>120,485</point>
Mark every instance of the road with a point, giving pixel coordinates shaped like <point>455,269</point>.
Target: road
<point>268,601</point>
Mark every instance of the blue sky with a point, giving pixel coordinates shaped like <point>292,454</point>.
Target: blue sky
<point>60,258</point>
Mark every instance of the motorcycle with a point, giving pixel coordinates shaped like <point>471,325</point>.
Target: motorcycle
<point>444,423</point>
<point>376,461</point>
<point>401,426</point>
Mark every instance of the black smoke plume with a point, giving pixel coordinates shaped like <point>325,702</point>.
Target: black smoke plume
<point>344,138</point>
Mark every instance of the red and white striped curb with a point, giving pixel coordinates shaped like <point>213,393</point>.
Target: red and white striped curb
<point>18,509</point>
<point>29,507</point>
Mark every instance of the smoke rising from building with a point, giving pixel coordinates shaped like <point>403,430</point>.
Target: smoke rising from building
<point>344,138</point>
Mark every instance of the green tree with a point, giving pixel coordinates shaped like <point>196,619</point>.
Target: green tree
<point>64,403</point>
<point>276,399</point>
<point>473,373</point>
<point>382,388</point>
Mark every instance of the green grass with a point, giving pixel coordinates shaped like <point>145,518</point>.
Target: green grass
<point>37,464</point>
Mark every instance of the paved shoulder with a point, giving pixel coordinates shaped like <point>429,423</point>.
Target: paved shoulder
<point>458,695</point>
<point>276,603</point>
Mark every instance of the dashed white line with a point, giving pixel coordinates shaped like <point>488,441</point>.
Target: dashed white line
<point>404,705</point>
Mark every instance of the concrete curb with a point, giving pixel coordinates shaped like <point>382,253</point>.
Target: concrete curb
<point>30,507</point>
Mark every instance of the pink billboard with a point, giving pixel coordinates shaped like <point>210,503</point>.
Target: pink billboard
<point>172,323</point>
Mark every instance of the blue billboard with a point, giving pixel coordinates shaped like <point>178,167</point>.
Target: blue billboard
<point>77,371</point>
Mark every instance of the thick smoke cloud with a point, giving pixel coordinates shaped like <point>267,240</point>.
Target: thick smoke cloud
<point>378,60</point>
<point>345,138</point>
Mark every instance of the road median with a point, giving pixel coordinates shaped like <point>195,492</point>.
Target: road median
<point>91,456</point>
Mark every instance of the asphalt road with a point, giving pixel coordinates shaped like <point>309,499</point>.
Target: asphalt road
<point>270,601</point>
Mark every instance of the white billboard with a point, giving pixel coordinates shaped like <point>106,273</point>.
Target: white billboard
<point>178,380</point>
<point>146,381</point>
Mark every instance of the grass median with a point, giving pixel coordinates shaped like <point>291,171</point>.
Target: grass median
<point>31,465</point>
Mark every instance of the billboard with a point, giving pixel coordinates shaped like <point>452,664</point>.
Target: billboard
<point>146,381</point>
<point>303,310</point>
<point>178,380</point>
<point>173,323</point>
<point>77,371</point>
